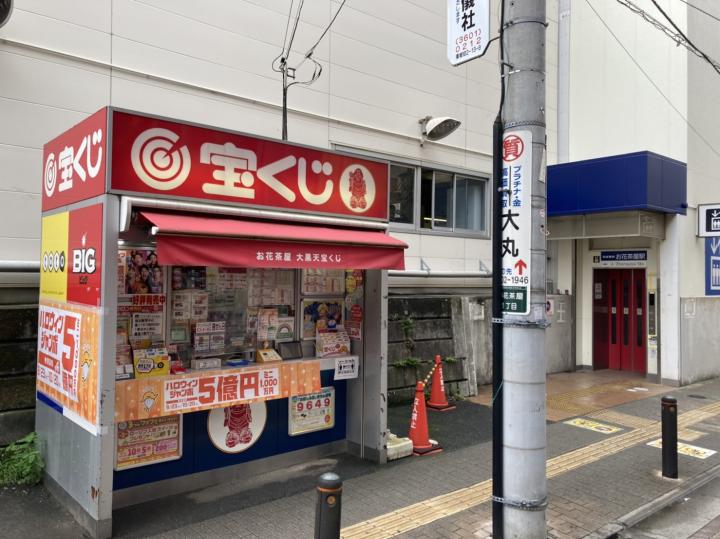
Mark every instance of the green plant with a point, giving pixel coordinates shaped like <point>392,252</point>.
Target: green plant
<point>409,363</point>
<point>450,359</point>
<point>408,327</point>
<point>21,463</point>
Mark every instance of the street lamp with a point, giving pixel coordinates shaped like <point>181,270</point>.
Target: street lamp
<point>437,128</point>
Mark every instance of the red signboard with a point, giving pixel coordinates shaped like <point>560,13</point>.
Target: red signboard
<point>161,157</point>
<point>85,255</point>
<point>74,163</point>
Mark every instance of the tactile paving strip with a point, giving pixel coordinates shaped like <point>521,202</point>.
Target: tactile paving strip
<point>423,513</point>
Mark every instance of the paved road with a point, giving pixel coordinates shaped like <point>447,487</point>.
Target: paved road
<point>697,516</point>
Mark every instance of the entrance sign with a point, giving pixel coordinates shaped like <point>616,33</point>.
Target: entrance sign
<point>516,218</point>
<point>162,157</point>
<point>620,259</point>
<point>468,29</point>
<point>708,220</point>
<point>712,266</point>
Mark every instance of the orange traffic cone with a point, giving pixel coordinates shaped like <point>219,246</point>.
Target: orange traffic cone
<point>438,400</point>
<point>418,433</point>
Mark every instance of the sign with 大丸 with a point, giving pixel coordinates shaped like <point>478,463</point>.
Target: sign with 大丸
<point>516,219</point>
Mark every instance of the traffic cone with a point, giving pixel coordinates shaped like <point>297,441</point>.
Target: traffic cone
<point>438,400</point>
<point>418,433</point>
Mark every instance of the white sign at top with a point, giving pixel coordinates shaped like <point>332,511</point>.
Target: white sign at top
<point>468,29</point>
<point>708,220</point>
<point>516,219</point>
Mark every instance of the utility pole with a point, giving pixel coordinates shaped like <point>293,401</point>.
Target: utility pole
<point>523,235</point>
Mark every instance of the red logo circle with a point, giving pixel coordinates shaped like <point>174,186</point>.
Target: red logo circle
<point>513,148</point>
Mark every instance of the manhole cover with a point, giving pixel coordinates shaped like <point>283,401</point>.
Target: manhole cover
<point>697,396</point>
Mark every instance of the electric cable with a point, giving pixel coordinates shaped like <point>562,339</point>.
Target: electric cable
<point>651,81</point>
<point>701,10</point>
<point>285,54</point>
<point>327,29</point>
<point>709,60</point>
<point>678,38</point>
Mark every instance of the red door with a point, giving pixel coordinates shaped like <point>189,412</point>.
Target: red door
<point>619,319</point>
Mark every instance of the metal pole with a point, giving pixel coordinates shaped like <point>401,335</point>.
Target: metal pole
<point>524,364</point>
<point>327,510</point>
<point>284,104</point>
<point>669,437</point>
<point>497,336</point>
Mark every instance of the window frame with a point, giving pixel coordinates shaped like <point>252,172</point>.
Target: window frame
<point>416,226</point>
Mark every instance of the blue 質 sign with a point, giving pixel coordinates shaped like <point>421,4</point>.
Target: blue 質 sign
<point>712,266</point>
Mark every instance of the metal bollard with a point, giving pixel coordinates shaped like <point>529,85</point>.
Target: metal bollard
<point>327,510</point>
<point>669,437</point>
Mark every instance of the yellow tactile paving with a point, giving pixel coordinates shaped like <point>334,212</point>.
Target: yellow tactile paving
<point>689,435</point>
<point>423,513</point>
<point>626,420</point>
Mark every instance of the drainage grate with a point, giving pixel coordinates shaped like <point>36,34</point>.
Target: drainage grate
<point>697,396</point>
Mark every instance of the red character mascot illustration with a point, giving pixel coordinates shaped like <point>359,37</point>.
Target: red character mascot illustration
<point>358,189</point>
<point>237,420</point>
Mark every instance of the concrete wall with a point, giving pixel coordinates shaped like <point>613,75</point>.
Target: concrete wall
<point>559,336</point>
<point>699,325</point>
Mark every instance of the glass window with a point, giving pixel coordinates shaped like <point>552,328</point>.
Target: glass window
<point>402,194</point>
<point>426,199</point>
<point>470,204</point>
<point>443,204</point>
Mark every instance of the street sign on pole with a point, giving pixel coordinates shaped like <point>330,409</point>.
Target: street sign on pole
<point>468,34</point>
<point>708,220</point>
<point>516,217</point>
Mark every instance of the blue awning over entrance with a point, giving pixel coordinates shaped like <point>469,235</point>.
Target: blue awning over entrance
<point>634,181</point>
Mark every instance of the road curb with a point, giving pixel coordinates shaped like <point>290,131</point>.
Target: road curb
<point>632,518</point>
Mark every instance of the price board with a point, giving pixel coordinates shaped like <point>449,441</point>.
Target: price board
<point>311,412</point>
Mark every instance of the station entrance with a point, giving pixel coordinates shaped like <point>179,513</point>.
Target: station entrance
<point>619,324</point>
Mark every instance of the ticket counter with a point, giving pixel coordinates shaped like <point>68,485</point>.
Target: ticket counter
<point>213,306</point>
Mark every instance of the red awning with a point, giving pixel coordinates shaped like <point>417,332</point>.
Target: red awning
<point>192,240</point>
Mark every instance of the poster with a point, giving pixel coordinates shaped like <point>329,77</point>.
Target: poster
<point>147,325</point>
<point>71,256</point>
<point>323,281</point>
<point>205,390</point>
<point>319,314</point>
<point>267,325</point>
<point>148,441</point>
<point>142,273</point>
<point>354,295</point>
<point>312,412</point>
<point>236,428</point>
<point>67,361</point>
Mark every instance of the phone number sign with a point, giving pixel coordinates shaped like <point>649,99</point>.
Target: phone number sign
<point>516,219</point>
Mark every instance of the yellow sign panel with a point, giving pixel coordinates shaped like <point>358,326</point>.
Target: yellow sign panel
<point>592,425</point>
<point>687,449</point>
<point>54,257</point>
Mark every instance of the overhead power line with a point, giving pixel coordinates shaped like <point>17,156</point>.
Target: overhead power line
<point>311,50</point>
<point>285,52</point>
<point>651,81</point>
<point>697,49</point>
<point>701,10</point>
<point>675,34</point>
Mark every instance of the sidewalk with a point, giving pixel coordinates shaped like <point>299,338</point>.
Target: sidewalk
<point>598,483</point>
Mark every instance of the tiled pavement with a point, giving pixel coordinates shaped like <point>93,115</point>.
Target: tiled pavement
<point>593,479</point>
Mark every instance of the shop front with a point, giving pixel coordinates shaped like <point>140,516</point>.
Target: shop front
<point>213,306</point>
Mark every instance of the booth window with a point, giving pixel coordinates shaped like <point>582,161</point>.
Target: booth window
<point>445,201</point>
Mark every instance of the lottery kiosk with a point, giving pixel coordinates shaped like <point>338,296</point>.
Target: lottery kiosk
<point>213,306</point>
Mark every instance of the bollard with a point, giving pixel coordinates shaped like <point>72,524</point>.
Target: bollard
<point>669,437</point>
<point>327,511</point>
